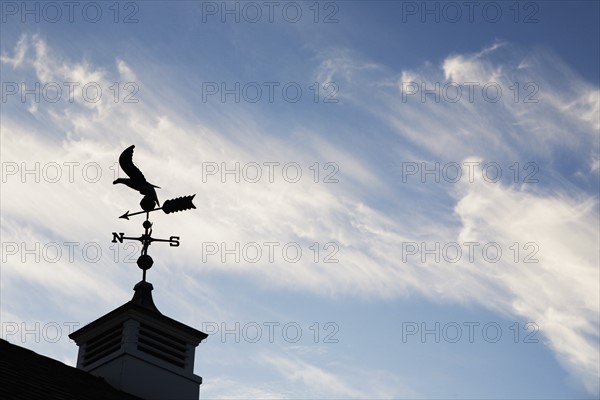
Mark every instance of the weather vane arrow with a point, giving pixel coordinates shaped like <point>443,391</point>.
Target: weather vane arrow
<point>169,206</point>
<point>149,203</point>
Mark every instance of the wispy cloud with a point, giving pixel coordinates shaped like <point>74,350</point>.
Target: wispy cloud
<point>325,380</point>
<point>558,214</point>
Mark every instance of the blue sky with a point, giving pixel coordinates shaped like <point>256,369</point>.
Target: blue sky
<point>534,325</point>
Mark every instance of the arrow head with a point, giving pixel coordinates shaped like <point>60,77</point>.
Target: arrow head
<point>125,216</point>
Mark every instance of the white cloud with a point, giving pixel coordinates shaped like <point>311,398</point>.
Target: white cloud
<point>20,50</point>
<point>560,291</point>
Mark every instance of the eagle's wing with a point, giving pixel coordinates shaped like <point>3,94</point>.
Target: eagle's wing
<point>127,165</point>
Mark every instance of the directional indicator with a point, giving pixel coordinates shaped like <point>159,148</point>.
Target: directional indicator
<point>119,237</point>
<point>138,182</point>
<point>169,206</point>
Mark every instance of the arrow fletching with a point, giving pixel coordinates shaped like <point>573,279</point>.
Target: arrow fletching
<point>179,204</point>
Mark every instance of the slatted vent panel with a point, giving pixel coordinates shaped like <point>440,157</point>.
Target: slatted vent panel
<point>162,345</point>
<point>102,345</point>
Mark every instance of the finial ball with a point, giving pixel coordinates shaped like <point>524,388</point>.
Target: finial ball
<point>145,262</point>
<point>147,203</point>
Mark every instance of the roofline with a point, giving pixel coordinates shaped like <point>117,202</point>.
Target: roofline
<point>130,306</point>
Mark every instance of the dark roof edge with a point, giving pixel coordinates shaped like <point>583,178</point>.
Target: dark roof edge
<point>131,306</point>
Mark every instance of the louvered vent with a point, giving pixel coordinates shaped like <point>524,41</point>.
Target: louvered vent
<point>102,345</point>
<point>161,345</point>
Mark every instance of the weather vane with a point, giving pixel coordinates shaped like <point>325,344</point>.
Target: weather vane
<point>149,203</point>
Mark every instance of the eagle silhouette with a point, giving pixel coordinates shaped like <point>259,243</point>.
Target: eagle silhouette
<point>136,180</point>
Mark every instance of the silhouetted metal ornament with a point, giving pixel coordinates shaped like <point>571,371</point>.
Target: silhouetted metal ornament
<point>170,206</point>
<point>147,203</point>
<point>138,182</point>
<point>178,204</point>
<point>145,262</point>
